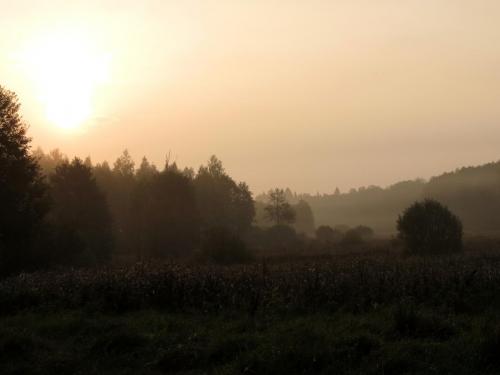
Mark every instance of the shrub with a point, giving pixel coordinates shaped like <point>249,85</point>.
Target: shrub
<point>365,232</point>
<point>325,234</point>
<point>351,238</point>
<point>357,236</point>
<point>281,237</point>
<point>223,246</point>
<point>428,227</point>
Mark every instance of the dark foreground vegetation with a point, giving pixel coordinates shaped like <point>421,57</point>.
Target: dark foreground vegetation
<point>464,283</point>
<point>150,342</point>
<point>375,313</point>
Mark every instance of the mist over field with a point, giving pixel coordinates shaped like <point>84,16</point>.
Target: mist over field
<point>234,187</point>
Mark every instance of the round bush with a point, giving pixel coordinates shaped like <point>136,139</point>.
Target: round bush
<point>428,227</point>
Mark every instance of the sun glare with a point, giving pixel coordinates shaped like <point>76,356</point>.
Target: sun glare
<point>66,70</point>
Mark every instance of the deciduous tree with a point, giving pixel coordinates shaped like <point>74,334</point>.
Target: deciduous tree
<point>278,210</point>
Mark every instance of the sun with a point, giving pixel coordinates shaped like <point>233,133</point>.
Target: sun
<point>67,70</point>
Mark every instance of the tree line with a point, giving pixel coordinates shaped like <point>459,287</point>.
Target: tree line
<point>155,213</point>
<point>57,210</point>
<point>473,193</point>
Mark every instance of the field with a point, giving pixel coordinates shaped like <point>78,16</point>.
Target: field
<point>372,313</point>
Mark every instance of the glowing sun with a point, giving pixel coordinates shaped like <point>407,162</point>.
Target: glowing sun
<point>66,70</point>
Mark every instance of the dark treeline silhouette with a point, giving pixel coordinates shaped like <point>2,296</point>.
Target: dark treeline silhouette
<point>174,212</point>
<point>155,213</point>
<point>57,211</point>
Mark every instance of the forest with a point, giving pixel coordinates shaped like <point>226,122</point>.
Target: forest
<point>118,268</point>
<point>190,206</point>
<point>471,192</point>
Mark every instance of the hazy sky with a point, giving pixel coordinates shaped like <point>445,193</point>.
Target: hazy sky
<point>307,94</point>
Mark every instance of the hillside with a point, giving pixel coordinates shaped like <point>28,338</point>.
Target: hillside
<point>473,193</point>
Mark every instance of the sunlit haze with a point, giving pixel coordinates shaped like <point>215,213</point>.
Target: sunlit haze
<point>306,94</point>
<point>66,74</point>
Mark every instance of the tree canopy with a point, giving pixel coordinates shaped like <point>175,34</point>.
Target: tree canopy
<point>428,227</point>
<point>81,215</point>
<point>23,198</point>
<point>222,201</point>
<point>278,210</point>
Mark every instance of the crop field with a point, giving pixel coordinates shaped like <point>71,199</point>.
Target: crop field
<point>374,313</point>
<point>460,283</point>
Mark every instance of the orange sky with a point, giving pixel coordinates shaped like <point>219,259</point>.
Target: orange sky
<point>308,94</point>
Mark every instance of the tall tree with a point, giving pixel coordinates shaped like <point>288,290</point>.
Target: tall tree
<point>304,218</point>
<point>80,214</point>
<point>278,210</point>
<point>119,196</point>
<point>222,201</point>
<point>166,219</point>
<point>23,202</point>
<point>243,206</point>
<point>146,170</point>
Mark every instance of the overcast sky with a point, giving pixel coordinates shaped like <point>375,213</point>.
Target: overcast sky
<point>307,94</point>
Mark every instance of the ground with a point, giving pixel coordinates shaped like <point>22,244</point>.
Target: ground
<point>337,315</point>
<point>389,341</point>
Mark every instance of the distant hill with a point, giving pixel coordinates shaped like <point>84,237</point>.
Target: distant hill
<point>473,193</point>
